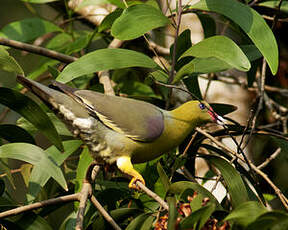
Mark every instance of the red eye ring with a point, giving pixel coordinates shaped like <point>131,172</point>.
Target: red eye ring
<point>202,106</point>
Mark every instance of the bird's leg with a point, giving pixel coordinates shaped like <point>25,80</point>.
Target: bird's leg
<point>125,165</point>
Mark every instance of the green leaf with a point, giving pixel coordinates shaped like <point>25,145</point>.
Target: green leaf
<point>246,213</point>
<point>180,186</point>
<point>198,218</point>
<point>39,177</point>
<point>201,65</point>
<point>31,221</point>
<point>14,133</point>
<point>32,112</point>
<point>84,162</point>
<point>233,180</point>
<point>163,176</point>
<point>208,24</point>
<point>172,213</point>
<point>274,4</point>
<point>270,221</point>
<point>222,48</point>
<point>223,109</point>
<point>148,223</point>
<point>138,221</point>
<point>192,85</point>
<point>137,20</point>
<point>251,52</point>
<point>109,20</point>
<point>28,29</point>
<point>105,59</point>
<point>35,156</point>
<point>8,63</point>
<point>253,25</point>
<point>183,43</point>
<point>59,125</point>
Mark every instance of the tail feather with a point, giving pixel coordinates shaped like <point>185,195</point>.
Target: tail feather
<point>54,98</point>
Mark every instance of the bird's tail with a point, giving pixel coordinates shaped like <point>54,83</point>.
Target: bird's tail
<point>56,96</point>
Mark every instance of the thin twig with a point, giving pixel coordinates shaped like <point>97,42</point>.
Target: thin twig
<point>41,204</point>
<point>104,76</point>
<point>104,213</point>
<point>179,14</point>
<point>37,50</point>
<point>12,171</point>
<point>277,191</point>
<point>152,195</point>
<point>269,159</point>
<point>86,193</point>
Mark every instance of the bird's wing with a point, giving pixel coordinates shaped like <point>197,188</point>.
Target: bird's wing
<point>138,120</point>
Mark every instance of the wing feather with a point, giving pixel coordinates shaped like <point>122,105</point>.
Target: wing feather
<point>137,120</point>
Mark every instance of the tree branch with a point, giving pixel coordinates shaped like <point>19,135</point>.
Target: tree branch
<point>37,50</point>
<point>41,204</point>
<point>277,191</point>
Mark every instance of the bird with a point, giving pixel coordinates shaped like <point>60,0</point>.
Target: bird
<point>118,130</point>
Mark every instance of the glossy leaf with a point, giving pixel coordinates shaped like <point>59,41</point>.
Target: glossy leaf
<point>84,162</point>
<point>222,48</point>
<point>105,59</point>
<point>198,218</point>
<point>28,29</point>
<point>192,85</point>
<point>180,186</point>
<point>14,133</point>
<point>39,178</point>
<point>137,20</point>
<point>8,63</point>
<point>109,20</point>
<point>223,109</point>
<point>172,212</point>
<point>246,213</point>
<point>274,4</point>
<point>30,111</point>
<point>253,25</point>
<point>59,125</point>
<point>233,180</point>
<point>137,222</point>
<point>36,156</point>
<point>32,221</point>
<point>163,176</point>
<point>202,65</point>
<point>270,221</point>
<point>183,44</point>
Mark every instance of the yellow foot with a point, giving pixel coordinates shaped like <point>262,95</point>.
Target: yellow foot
<point>125,165</point>
<point>133,182</point>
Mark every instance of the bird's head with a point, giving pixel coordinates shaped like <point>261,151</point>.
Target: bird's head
<point>199,111</point>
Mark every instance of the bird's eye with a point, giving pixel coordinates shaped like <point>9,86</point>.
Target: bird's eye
<point>202,106</point>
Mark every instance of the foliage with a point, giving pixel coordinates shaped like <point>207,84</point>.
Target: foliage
<point>236,37</point>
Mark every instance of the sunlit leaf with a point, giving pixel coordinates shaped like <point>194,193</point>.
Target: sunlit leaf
<point>8,63</point>
<point>253,25</point>
<point>31,111</point>
<point>105,59</point>
<point>232,178</point>
<point>246,213</point>
<point>137,20</point>
<point>28,29</point>
<point>36,156</point>
<point>39,178</point>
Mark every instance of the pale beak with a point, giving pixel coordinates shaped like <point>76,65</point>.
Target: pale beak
<point>216,118</point>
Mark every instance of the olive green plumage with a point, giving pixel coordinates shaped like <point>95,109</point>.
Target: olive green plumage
<point>120,130</point>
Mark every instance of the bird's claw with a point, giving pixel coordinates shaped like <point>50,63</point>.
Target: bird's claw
<point>133,183</point>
